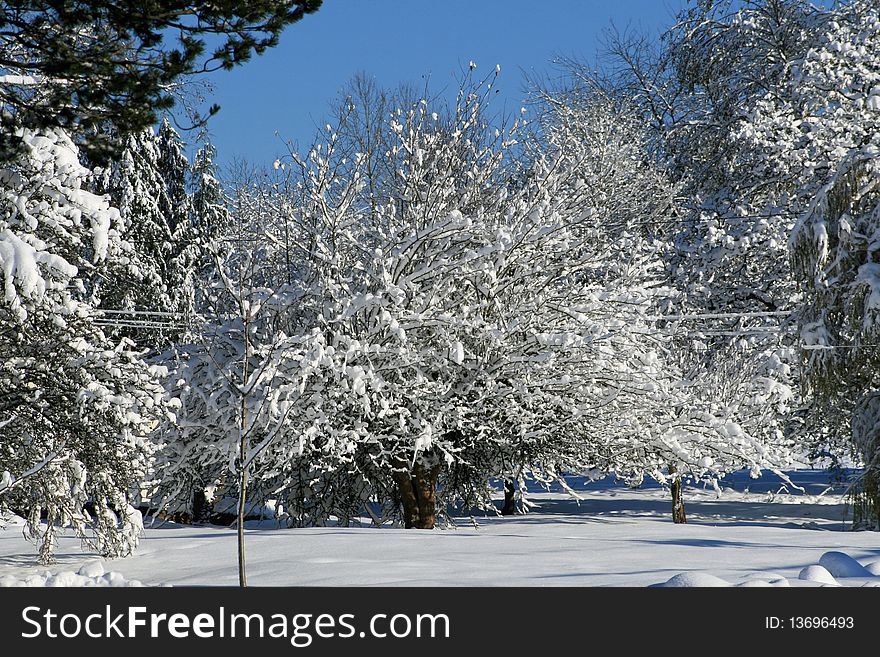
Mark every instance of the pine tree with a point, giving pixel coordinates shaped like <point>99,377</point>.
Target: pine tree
<point>210,213</point>
<point>175,203</point>
<point>75,407</point>
<point>150,298</point>
<point>77,65</point>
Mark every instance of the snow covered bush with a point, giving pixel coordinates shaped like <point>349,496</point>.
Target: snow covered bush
<point>74,407</point>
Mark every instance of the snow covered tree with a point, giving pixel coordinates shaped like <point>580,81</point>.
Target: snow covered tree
<point>732,258</point>
<point>521,327</point>
<point>150,298</point>
<point>819,133</point>
<point>186,247</point>
<point>75,408</point>
<point>401,294</point>
<point>672,428</point>
<point>463,248</point>
<point>210,212</point>
<point>262,379</point>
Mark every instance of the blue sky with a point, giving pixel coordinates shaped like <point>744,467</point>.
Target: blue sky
<point>284,94</point>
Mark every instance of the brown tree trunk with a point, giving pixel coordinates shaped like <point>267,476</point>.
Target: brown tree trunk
<point>407,496</point>
<point>509,507</point>
<point>678,516</point>
<point>418,494</point>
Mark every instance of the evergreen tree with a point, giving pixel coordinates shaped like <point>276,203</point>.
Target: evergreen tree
<point>175,203</point>
<point>150,298</point>
<point>75,407</point>
<point>210,213</point>
<point>77,64</point>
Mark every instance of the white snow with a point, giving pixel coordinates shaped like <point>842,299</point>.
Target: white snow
<point>694,579</point>
<point>28,80</point>
<point>765,579</point>
<point>615,536</point>
<point>840,564</point>
<point>818,574</point>
<point>90,574</point>
<point>92,569</point>
<point>456,353</point>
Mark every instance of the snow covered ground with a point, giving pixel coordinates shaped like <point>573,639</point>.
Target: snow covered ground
<point>755,533</point>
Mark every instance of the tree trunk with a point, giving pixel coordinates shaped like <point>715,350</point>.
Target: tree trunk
<point>509,507</point>
<point>242,461</point>
<point>408,498</point>
<point>678,516</point>
<point>418,494</point>
<point>242,504</point>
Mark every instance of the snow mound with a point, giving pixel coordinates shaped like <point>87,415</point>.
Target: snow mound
<point>818,574</point>
<point>92,569</point>
<point>693,579</point>
<point>841,564</point>
<point>825,573</point>
<point>90,574</point>
<point>8,520</point>
<point>764,579</point>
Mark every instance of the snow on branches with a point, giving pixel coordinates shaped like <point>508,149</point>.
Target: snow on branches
<point>821,131</point>
<point>477,311</point>
<point>74,408</point>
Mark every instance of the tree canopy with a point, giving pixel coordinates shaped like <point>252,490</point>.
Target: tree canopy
<point>77,65</point>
